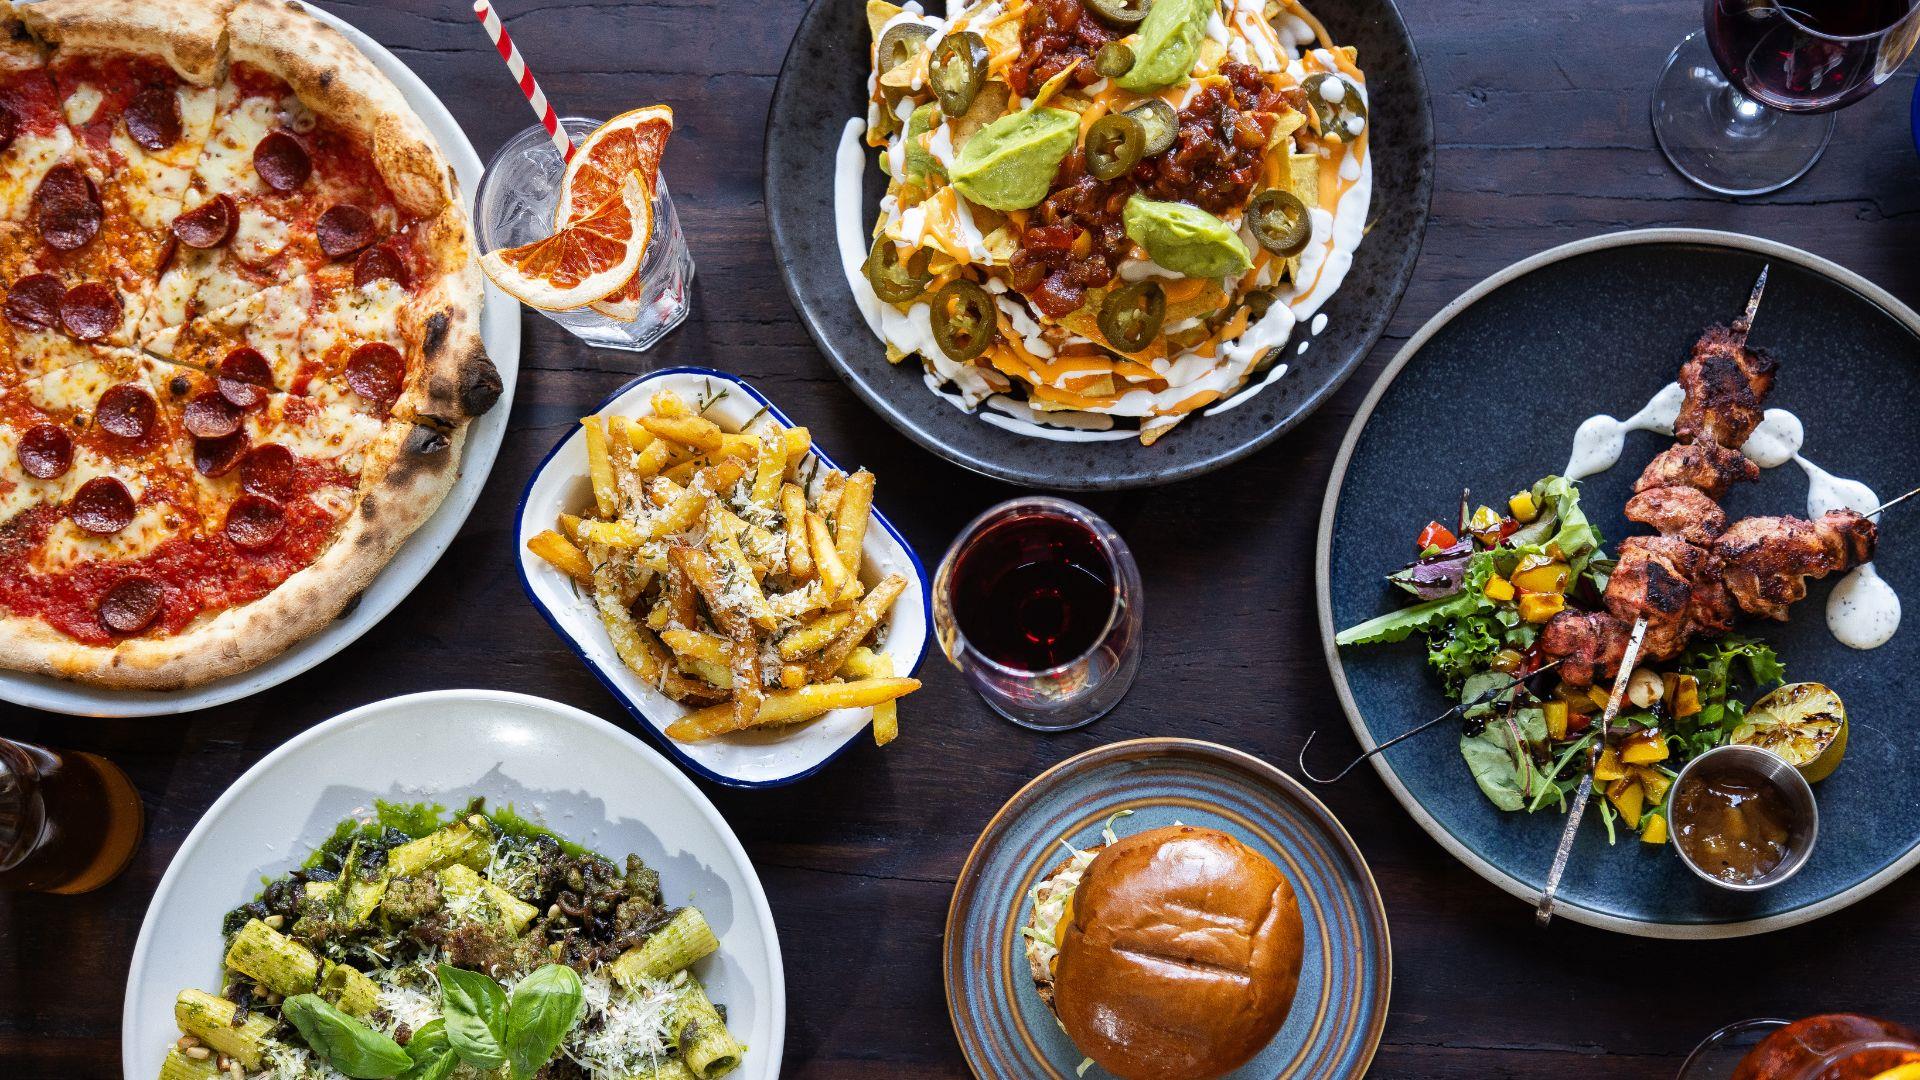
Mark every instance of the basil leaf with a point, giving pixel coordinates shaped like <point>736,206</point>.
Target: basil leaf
<point>546,1005</point>
<point>433,1058</point>
<point>347,1044</point>
<point>476,1013</point>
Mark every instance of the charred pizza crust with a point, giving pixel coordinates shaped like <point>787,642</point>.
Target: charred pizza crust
<point>410,466</point>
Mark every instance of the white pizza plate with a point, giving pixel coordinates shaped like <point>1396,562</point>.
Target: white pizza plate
<point>499,330</point>
<point>748,759</point>
<point>586,779</point>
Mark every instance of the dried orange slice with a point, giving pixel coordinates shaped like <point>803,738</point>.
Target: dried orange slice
<point>628,143</point>
<point>583,262</point>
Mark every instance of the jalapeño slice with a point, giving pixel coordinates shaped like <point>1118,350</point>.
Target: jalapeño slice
<point>1113,60</point>
<point>1279,220</point>
<point>963,322</point>
<point>1121,13</point>
<point>891,280</point>
<point>1158,122</point>
<point>1131,316</point>
<point>958,70</point>
<point>898,45</point>
<point>1115,144</point>
<point>1336,116</point>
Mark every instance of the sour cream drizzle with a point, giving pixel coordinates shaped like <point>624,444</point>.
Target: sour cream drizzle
<point>1863,611</point>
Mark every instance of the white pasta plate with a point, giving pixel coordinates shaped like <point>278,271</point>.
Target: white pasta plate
<point>586,779</point>
<point>745,759</point>
<point>499,331</point>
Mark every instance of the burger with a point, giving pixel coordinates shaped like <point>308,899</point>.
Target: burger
<point>1172,954</point>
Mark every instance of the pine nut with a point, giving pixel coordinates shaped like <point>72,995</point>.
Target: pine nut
<point>186,1041</point>
<point>199,1053</point>
<point>275,921</point>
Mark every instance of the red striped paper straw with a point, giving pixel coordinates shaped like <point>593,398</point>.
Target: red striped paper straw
<point>503,42</point>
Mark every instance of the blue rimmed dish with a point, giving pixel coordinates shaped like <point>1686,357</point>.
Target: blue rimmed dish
<point>745,759</point>
<point>1347,968</point>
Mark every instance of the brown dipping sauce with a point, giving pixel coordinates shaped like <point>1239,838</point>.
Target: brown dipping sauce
<point>1733,822</point>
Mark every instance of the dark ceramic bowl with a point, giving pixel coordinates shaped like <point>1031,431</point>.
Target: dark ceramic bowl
<point>823,84</point>
<point>1487,396</point>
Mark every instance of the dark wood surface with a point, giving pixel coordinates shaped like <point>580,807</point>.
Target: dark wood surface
<point>1541,113</point>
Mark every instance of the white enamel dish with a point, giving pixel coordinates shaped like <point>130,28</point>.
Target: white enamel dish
<point>499,330</point>
<point>584,778</point>
<point>746,759</point>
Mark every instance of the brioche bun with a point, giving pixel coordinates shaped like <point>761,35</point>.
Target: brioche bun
<point>1178,957</point>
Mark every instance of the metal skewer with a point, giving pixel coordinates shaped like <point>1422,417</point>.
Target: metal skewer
<point>1490,695</point>
<point>1544,913</point>
<point>1745,322</point>
<point>1891,503</point>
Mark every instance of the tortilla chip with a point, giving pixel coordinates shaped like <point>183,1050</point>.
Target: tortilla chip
<point>1052,86</point>
<point>989,104</point>
<point>1289,122</point>
<point>1303,180</point>
<point>879,14</point>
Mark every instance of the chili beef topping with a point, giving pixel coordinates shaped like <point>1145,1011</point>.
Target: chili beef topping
<point>1216,156</point>
<point>1074,241</point>
<point>1054,34</point>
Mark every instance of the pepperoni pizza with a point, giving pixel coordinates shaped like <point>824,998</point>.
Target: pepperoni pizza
<point>239,334</point>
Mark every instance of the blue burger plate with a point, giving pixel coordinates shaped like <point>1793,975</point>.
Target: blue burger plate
<point>1347,969</point>
<point>1487,396</point>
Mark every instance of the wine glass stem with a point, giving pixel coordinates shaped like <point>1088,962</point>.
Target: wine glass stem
<point>1740,115</point>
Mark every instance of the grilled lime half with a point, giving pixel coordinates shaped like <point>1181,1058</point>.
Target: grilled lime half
<point>1805,723</point>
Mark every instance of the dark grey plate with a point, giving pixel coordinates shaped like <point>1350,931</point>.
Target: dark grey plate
<point>1488,395</point>
<point>823,83</point>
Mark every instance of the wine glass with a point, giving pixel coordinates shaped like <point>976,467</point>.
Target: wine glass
<point>1744,107</point>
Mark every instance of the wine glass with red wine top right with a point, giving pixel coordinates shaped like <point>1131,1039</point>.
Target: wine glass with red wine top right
<point>1745,106</point>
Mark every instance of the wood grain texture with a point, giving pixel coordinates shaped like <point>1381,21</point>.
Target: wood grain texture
<point>1541,114</point>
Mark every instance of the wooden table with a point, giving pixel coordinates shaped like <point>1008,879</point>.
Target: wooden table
<point>1540,110</point>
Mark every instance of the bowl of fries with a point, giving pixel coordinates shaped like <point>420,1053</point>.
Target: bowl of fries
<point>725,579</point>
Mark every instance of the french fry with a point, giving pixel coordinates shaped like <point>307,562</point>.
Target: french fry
<point>886,714</point>
<point>696,645</point>
<point>826,559</point>
<point>793,507</point>
<point>700,569</point>
<point>640,652</point>
<point>695,431</point>
<point>613,534</point>
<point>737,574</point>
<point>850,525</point>
<point>599,468</point>
<point>649,461</point>
<point>827,503</point>
<point>565,558</point>
<point>814,636</point>
<point>677,516</point>
<point>714,675</point>
<point>747,694</point>
<point>791,707</point>
<point>680,595</point>
<point>569,525</point>
<point>867,614</point>
<point>793,676</point>
<point>668,403</point>
<point>770,469</point>
<point>799,440</point>
<point>795,606</point>
<point>626,428</point>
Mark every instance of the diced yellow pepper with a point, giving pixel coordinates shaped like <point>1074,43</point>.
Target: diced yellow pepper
<point>1498,588</point>
<point>1643,748</point>
<point>1522,508</point>
<point>1598,696</point>
<point>1608,768</point>
<point>1628,798</point>
<point>1542,576</point>
<point>1539,607</point>
<point>1655,781</point>
<point>1556,712</point>
<point>1656,830</point>
<point>1683,695</point>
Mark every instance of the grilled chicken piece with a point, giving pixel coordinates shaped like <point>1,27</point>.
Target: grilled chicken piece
<point>1588,644</point>
<point>1707,467</point>
<point>1727,385</point>
<point>1683,512</point>
<point>1769,559</point>
<point>1675,586</point>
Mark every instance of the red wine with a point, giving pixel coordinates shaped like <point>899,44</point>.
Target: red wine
<point>1033,591</point>
<point>1808,56</point>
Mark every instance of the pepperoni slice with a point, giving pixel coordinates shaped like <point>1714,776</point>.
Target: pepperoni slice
<point>209,415</point>
<point>126,410</point>
<point>66,208</point>
<point>281,161</point>
<point>245,378</point>
<point>90,311</point>
<point>343,230</point>
<point>208,225</point>
<point>153,118</point>
<point>45,451</point>
<point>9,126</point>
<point>255,522</point>
<point>103,506</point>
<point>375,372</point>
<point>132,605</point>
<point>377,263</point>
<point>34,301</point>
<point>268,470</point>
<point>217,457</point>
